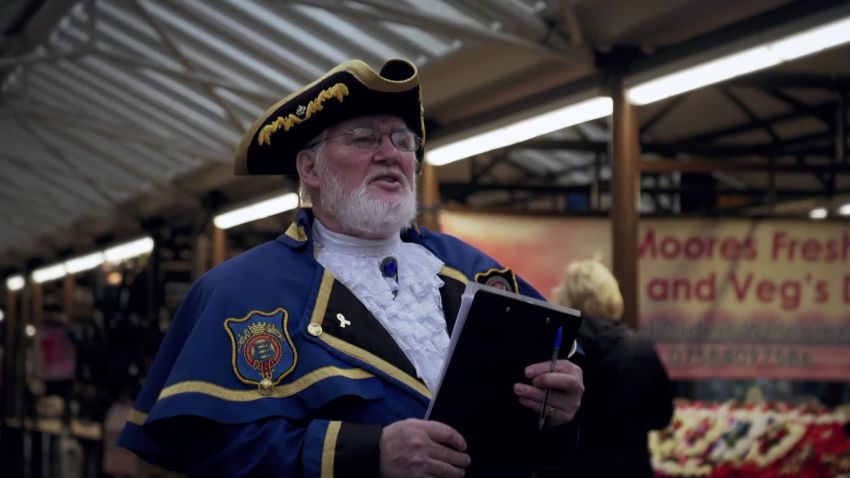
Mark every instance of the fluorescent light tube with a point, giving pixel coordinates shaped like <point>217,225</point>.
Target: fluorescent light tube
<point>812,41</point>
<point>747,61</point>
<point>818,213</point>
<point>258,210</point>
<point>49,273</point>
<point>128,250</point>
<point>701,75</point>
<point>522,130</point>
<point>15,283</point>
<point>844,210</point>
<point>84,263</point>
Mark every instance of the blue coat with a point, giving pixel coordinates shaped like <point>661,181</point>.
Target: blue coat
<point>257,376</point>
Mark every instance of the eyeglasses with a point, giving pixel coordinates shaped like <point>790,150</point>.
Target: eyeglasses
<point>370,138</point>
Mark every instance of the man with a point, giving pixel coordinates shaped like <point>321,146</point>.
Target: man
<point>316,354</point>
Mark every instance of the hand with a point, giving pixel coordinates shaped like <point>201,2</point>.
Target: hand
<point>419,448</point>
<point>566,386</point>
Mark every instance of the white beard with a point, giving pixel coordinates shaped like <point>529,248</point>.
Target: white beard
<point>359,213</point>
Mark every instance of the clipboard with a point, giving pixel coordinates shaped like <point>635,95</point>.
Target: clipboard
<point>496,335</point>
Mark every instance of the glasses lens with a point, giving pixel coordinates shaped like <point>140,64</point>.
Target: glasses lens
<point>366,138</point>
<point>405,140</point>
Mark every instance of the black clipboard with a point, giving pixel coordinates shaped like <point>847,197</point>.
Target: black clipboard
<point>496,335</point>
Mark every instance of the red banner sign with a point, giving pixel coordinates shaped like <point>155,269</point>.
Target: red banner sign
<point>721,298</point>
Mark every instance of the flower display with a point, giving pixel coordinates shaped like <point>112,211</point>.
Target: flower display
<point>740,441</point>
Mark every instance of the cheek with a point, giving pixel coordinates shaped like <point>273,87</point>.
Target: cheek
<point>408,168</point>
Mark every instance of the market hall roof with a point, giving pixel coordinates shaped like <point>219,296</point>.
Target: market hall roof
<point>118,115</point>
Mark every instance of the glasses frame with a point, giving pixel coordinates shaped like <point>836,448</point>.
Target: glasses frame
<point>391,134</point>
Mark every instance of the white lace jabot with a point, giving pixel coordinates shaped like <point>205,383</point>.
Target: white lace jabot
<point>414,317</point>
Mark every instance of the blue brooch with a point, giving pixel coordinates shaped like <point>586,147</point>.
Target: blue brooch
<point>389,269</point>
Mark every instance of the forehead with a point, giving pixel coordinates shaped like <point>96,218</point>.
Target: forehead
<point>383,122</point>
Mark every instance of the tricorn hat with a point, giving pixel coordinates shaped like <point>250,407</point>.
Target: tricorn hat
<point>350,90</point>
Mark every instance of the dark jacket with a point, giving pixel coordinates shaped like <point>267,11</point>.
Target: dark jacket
<point>627,393</point>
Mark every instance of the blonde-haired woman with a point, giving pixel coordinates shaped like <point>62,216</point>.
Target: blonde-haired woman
<point>627,390</point>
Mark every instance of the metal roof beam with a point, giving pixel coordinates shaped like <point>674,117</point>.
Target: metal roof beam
<point>47,214</point>
<point>105,166</point>
<point>60,157</point>
<point>811,110</point>
<point>395,13</point>
<point>689,147</point>
<point>112,81</point>
<point>825,108</point>
<point>166,40</point>
<point>704,166</point>
<point>772,80</point>
<point>662,113</point>
<point>27,185</point>
<point>130,132</point>
<point>754,118</point>
<point>55,187</point>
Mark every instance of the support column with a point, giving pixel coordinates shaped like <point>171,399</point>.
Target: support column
<point>624,154</point>
<point>11,323</point>
<point>429,198</point>
<point>219,246</point>
<point>37,305</point>
<point>200,255</point>
<point>841,131</point>
<point>840,143</point>
<point>69,284</point>
<point>11,439</point>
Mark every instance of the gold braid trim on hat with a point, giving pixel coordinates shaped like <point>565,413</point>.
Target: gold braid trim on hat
<point>338,91</point>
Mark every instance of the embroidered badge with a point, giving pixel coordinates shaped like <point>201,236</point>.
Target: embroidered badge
<point>263,353</point>
<point>499,278</point>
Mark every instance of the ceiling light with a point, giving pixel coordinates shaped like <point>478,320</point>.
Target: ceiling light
<point>84,263</point>
<point>844,210</point>
<point>128,250</point>
<point>258,210</point>
<point>812,41</point>
<point>752,59</point>
<point>114,278</point>
<point>701,75</point>
<point>818,213</point>
<point>15,283</point>
<point>49,273</point>
<point>30,330</point>
<point>522,130</point>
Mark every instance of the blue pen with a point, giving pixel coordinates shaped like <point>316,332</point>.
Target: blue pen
<point>555,349</point>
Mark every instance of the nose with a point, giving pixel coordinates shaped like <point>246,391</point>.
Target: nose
<point>387,152</point>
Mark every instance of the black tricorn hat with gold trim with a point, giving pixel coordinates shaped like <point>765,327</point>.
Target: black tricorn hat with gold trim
<point>350,90</point>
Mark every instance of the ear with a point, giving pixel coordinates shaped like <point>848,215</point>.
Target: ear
<point>305,163</point>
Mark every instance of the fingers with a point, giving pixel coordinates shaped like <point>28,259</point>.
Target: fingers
<point>452,457</point>
<point>563,382</point>
<point>441,469</point>
<point>566,387</point>
<point>562,366</point>
<point>446,435</point>
<point>529,391</point>
<point>533,396</point>
<point>415,448</point>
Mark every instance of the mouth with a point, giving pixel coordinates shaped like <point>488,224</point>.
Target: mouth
<point>388,178</point>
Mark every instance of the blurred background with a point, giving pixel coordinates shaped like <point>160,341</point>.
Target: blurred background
<point>697,147</point>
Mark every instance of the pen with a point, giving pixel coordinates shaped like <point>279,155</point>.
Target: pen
<point>555,348</point>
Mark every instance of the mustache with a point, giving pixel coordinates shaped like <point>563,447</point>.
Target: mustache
<point>397,175</point>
